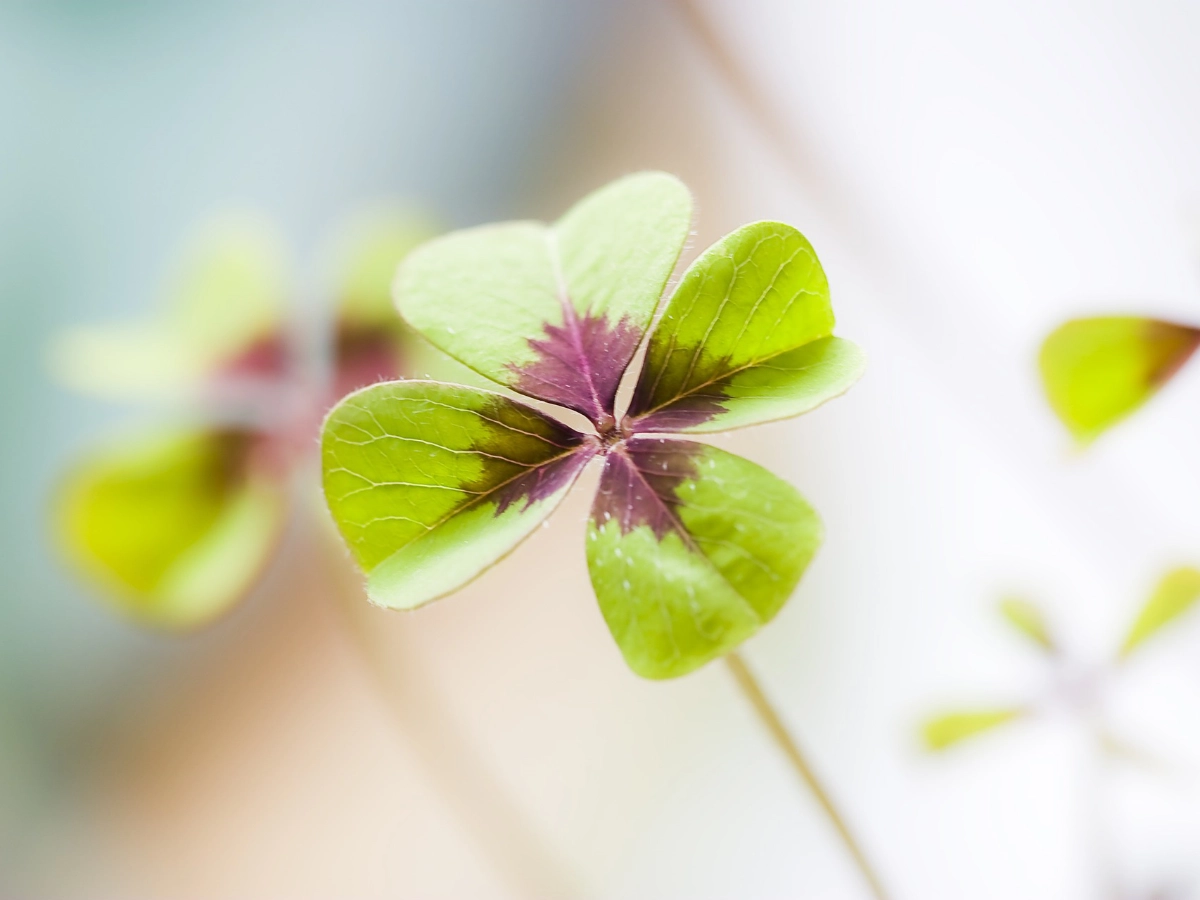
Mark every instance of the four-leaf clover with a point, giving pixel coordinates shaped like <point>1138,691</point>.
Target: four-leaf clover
<point>690,549</point>
<point>177,522</point>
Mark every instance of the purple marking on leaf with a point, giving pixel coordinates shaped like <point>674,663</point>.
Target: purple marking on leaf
<point>544,481</point>
<point>686,412</point>
<point>579,364</point>
<point>639,484</point>
<point>1180,341</point>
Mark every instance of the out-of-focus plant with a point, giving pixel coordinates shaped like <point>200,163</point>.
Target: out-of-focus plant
<point>1175,594</point>
<point>1096,371</point>
<point>690,549</point>
<point>1071,685</point>
<point>176,522</point>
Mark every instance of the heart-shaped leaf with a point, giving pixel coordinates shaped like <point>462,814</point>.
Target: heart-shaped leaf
<point>1029,620</point>
<point>745,338</point>
<point>178,525</point>
<point>1097,371</point>
<point>555,312</point>
<point>225,310</point>
<point>945,731</point>
<point>432,483</point>
<point>691,550</point>
<point>1174,596</point>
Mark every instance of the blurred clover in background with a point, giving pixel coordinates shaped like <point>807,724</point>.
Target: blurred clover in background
<point>1071,683</point>
<point>1080,690</point>
<point>176,522</point>
<point>1097,371</point>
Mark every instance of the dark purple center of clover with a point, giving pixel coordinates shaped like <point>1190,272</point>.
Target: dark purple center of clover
<point>579,364</point>
<point>640,482</point>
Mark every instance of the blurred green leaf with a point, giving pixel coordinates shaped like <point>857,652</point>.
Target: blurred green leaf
<point>1097,371</point>
<point>227,298</point>
<point>230,293</point>
<point>1175,594</point>
<point>368,250</point>
<point>175,525</point>
<point>949,729</point>
<point>1028,619</point>
<point>371,341</point>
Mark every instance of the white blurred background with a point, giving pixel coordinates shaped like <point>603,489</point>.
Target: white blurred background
<point>970,174</point>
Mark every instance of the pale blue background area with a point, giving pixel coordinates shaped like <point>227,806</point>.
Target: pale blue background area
<point>121,125</point>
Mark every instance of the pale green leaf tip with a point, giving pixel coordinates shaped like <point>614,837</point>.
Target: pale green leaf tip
<point>141,520</point>
<point>1174,596</point>
<point>950,729</point>
<point>1029,621</point>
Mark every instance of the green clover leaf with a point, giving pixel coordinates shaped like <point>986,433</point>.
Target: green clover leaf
<point>177,524</point>
<point>690,549</point>
<point>1097,371</point>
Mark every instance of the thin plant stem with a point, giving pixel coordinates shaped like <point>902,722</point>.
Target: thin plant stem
<point>499,828</point>
<point>1096,813</point>
<point>770,718</point>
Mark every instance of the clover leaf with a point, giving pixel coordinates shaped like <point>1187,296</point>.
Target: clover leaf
<point>176,523</point>
<point>690,548</point>
<point>1097,371</point>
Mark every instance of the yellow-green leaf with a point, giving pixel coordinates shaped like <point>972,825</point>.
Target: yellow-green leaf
<point>1097,371</point>
<point>746,338</point>
<point>949,729</point>
<point>1175,594</point>
<point>430,484</point>
<point>691,550</point>
<point>555,312</point>
<point>1028,619</point>
<point>176,525</point>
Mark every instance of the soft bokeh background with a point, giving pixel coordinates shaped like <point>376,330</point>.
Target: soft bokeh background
<point>971,175</point>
